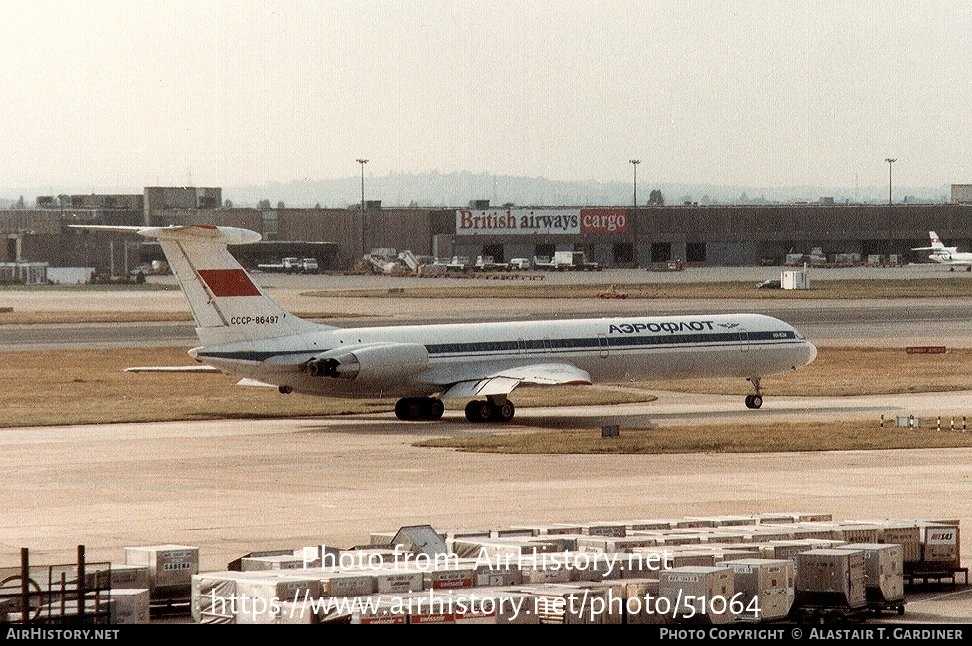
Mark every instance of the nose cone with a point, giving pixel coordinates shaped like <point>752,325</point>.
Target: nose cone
<point>811,353</point>
<point>806,355</point>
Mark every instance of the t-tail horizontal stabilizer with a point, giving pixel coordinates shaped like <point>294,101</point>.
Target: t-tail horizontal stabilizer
<point>227,305</point>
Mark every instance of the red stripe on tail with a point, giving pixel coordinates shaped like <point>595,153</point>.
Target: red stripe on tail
<point>228,282</point>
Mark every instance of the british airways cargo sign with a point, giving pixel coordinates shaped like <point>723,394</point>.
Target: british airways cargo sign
<point>540,221</point>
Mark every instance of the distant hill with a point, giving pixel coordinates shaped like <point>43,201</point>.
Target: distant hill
<point>457,189</point>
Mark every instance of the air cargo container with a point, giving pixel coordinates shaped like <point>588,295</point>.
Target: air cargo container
<point>267,595</point>
<point>705,592</point>
<point>767,587</point>
<point>170,568</point>
<point>940,546</point>
<point>350,583</point>
<point>883,575</point>
<point>129,606</point>
<point>830,583</point>
<point>908,536</point>
<point>639,595</point>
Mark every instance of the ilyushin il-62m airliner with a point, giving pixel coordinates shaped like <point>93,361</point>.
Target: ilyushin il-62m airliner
<point>245,333</point>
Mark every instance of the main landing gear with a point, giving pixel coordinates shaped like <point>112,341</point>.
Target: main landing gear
<point>491,410</point>
<point>756,400</point>
<point>419,408</point>
<point>413,409</point>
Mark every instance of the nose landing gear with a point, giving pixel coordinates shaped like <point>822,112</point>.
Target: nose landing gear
<point>756,400</point>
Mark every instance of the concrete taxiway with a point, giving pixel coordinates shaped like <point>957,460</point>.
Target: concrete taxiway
<point>232,487</point>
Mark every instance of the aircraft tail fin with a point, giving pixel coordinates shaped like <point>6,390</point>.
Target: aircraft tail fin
<point>938,248</point>
<point>226,304</point>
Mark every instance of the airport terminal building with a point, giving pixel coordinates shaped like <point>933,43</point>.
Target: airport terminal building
<point>612,236</point>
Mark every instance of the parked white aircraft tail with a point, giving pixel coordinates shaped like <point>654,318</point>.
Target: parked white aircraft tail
<point>949,256</point>
<point>243,332</point>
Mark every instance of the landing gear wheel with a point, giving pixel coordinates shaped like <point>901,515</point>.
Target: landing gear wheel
<point>408,408</point>
<point>434,409</point>
<point>479,411</point>
<point>419,408</point>
<point>504,412</point>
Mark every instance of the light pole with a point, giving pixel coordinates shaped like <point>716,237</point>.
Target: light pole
<point>890,161</point>
<point>361,223</point>
<point>362,162</point>
<point>634,164</point>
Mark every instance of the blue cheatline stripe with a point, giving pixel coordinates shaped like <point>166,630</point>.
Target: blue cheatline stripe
<point>627,342</point>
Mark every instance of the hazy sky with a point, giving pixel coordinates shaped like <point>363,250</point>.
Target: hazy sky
<point>139,93</point>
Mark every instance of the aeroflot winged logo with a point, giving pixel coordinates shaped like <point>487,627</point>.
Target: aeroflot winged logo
<point>728,326</point>
<point>228,282</point>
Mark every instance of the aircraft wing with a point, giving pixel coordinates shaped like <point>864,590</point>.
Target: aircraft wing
<point>254,382</point>
<point>194,368</point>
<point>502,382</point>
<point>199,368</point>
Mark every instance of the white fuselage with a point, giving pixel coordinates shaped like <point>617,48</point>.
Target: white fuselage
<point>952,258</point>
<point>421,360</point>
